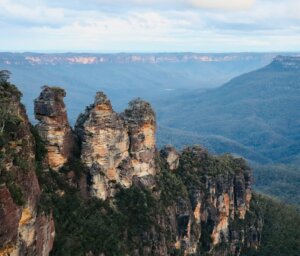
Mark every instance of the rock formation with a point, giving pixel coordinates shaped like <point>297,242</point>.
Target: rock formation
<point>104,147</point>
<point>116,148</point>
<point>23,229</point>
<point>219,198</point>
<point>196,203</point>
<point>141,121</point>
<point>53,125</point>
<point>120,150</point>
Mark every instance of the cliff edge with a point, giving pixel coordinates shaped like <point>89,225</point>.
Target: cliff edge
<point>119,195</point>
<point>24,229</point>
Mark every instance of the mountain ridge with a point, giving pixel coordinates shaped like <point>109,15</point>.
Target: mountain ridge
<point>257,110</point>
<point>247,97</point>
<point>123,58</point>
<point>122,82</point>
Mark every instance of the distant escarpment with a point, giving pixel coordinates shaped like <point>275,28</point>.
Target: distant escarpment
<point>109,189</point>
<point>35,59</point>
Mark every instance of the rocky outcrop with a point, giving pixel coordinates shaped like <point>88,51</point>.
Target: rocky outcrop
<point>120,150</point>
<point>53,125</point>
<point>116,148</point>
<point>219,201</point>
<point>190,203</point>
<point>24,230</point>
<point>104,147</point>
<point>141,121</point>
<point>202,207</point>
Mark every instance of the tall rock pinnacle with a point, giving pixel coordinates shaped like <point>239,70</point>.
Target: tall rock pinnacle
<point>141,121</point>
<point>53,125</point>
<point>104,135</point>
<point>116,147</point>
<point>104,146</point>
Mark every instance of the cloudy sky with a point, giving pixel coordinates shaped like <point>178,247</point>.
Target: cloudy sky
<point>149,25</point>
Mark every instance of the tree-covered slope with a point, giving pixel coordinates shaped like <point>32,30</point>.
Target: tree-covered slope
<point>255,115</point>
<point>259,110</point>
<point>281,234</point>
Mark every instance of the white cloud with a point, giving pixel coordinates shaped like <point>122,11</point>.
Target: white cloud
<point>158,4</point>
<point>223,4</point>
<point>150,25</point>
<point>34,14</point>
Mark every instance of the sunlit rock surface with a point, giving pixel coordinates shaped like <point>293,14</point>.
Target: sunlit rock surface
<point>54,126</point>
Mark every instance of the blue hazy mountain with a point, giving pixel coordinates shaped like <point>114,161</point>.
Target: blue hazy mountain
<point>124,76</point>
<point>255,115</point>
<point>257,111</point>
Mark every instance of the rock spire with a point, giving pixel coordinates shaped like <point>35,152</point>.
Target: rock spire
<point>53,126</point>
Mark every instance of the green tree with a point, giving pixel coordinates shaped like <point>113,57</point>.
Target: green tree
<point>5,113</point>
<point>4,75</point>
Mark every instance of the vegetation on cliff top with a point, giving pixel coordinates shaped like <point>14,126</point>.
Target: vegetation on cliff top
<point>12,130</point>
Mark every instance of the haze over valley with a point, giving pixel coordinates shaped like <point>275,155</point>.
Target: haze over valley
<point>125,76</point>
<point>240,103</point>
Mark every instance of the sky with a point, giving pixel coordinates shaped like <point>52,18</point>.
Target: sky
<point>150,25</point>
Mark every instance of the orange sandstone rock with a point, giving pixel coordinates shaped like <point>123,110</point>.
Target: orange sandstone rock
<point>54,126</point>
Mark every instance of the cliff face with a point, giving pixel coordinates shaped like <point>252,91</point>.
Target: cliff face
<point>220,193</point>
<point>23,230</point>
<point>152,203</point>
<point>205,206</point>
<point>114,147</point>
<point>53,125</point>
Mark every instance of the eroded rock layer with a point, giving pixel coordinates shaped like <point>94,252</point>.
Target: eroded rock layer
<point>53,126</point>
